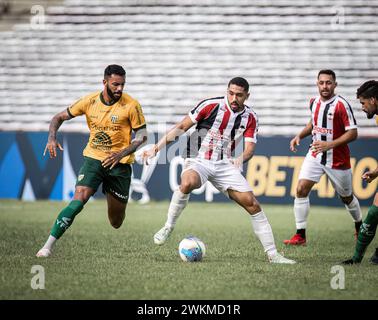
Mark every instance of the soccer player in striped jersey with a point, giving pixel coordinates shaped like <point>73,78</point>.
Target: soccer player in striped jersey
<point>332,127</point>
<point>368,96</point>
<point>111,117</point>
<point>220,124</point>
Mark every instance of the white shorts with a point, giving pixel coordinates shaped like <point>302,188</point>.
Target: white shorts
<point>341,179</point>
<point>222,174</point>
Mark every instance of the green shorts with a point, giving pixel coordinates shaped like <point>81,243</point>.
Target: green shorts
<point>115,181</point>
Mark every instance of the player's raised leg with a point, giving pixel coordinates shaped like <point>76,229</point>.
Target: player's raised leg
<point>301,211</point>
<point>260,224</point>
<point>190,180</point>
<point>65,218</point>
<point>116,186</point>
<point>116,211</point>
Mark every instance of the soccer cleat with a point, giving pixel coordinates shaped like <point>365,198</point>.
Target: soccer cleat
<point>277,258</point>
<point>296,240</point>
<point>162,235</point>
<point>374,258</point>
<point>43,253</point>
<point>350,262</point>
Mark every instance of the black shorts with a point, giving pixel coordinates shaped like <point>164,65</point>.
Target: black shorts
<point>115,181</point>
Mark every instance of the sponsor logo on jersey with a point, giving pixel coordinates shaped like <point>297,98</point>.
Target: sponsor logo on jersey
<point>321,130</point>
<point>101,141</point>
<point>114,118</point>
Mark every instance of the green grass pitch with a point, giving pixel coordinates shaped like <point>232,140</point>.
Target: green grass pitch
<point>94,261</point>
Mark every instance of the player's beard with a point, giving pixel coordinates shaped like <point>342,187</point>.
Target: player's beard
<point>111,95</point>
<point>326,95</point>
<point>235,107</point>
<point>369,115</point>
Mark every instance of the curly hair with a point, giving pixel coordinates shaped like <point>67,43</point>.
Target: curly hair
<point>369,89</point>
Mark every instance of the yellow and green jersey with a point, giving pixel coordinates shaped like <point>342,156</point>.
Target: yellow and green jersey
<point>110,125</point>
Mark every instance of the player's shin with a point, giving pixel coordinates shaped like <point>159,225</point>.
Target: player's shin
<point>263,231</point>
<point>65,218</point>
<point>355,211</point>
<point>301,210</point>
<point>366,233</point>
<point>178,203</point>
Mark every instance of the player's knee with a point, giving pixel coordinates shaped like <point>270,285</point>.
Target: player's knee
<point>347,200</point>
<point>302,191</point>
<point>82,194</point>
<point>186,187</point>
<point>116,220</point>
<point>116,223</point>
<point>253,206</point>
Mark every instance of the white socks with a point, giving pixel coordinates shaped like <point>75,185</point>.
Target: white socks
<point>301,210</point>
<point>263,231</point>
<point>49,243</point>
<point>354,209</point>
<point>178,203</point>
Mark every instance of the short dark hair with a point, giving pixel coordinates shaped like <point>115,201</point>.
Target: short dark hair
<point>114,69</point>
<point>369,89</point>
<point>329,72</point>
<point>241,82</point>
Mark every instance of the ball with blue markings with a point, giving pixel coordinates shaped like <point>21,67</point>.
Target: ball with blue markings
<point>192,249</point>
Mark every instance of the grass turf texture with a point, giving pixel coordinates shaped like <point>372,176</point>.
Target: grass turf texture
<point>94,261</point>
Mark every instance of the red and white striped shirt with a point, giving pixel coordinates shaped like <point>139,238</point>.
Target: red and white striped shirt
<point>330,120</point>
<point>219,129</point>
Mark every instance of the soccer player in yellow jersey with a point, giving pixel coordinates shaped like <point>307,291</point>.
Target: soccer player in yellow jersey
<point>368,96</point>
<point>111,117</point>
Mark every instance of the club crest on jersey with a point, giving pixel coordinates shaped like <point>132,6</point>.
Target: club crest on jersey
<point>114,119</point>
<point>330,116</point>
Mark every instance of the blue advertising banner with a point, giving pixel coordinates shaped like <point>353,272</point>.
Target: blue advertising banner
<point>273,172</point>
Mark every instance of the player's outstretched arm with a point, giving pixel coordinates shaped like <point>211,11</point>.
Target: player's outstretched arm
<point>180,128</point>
<point>55,123</point>
<point>307,130</point>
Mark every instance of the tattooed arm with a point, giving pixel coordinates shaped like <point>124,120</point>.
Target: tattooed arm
<point>55,123</point>
<point>115,157</point>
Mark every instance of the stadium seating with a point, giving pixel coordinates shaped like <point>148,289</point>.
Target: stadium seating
<point>177,53</point>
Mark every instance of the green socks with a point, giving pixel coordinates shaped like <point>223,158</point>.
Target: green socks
<point>366,233</point>
<point>65,218</point>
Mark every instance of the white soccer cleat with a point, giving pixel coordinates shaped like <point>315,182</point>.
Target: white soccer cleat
<point>162,235</point>
<point>277,258</point>
<point>43,253</point>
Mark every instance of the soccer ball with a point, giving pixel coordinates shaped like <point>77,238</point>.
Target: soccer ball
<point>192,249</point>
